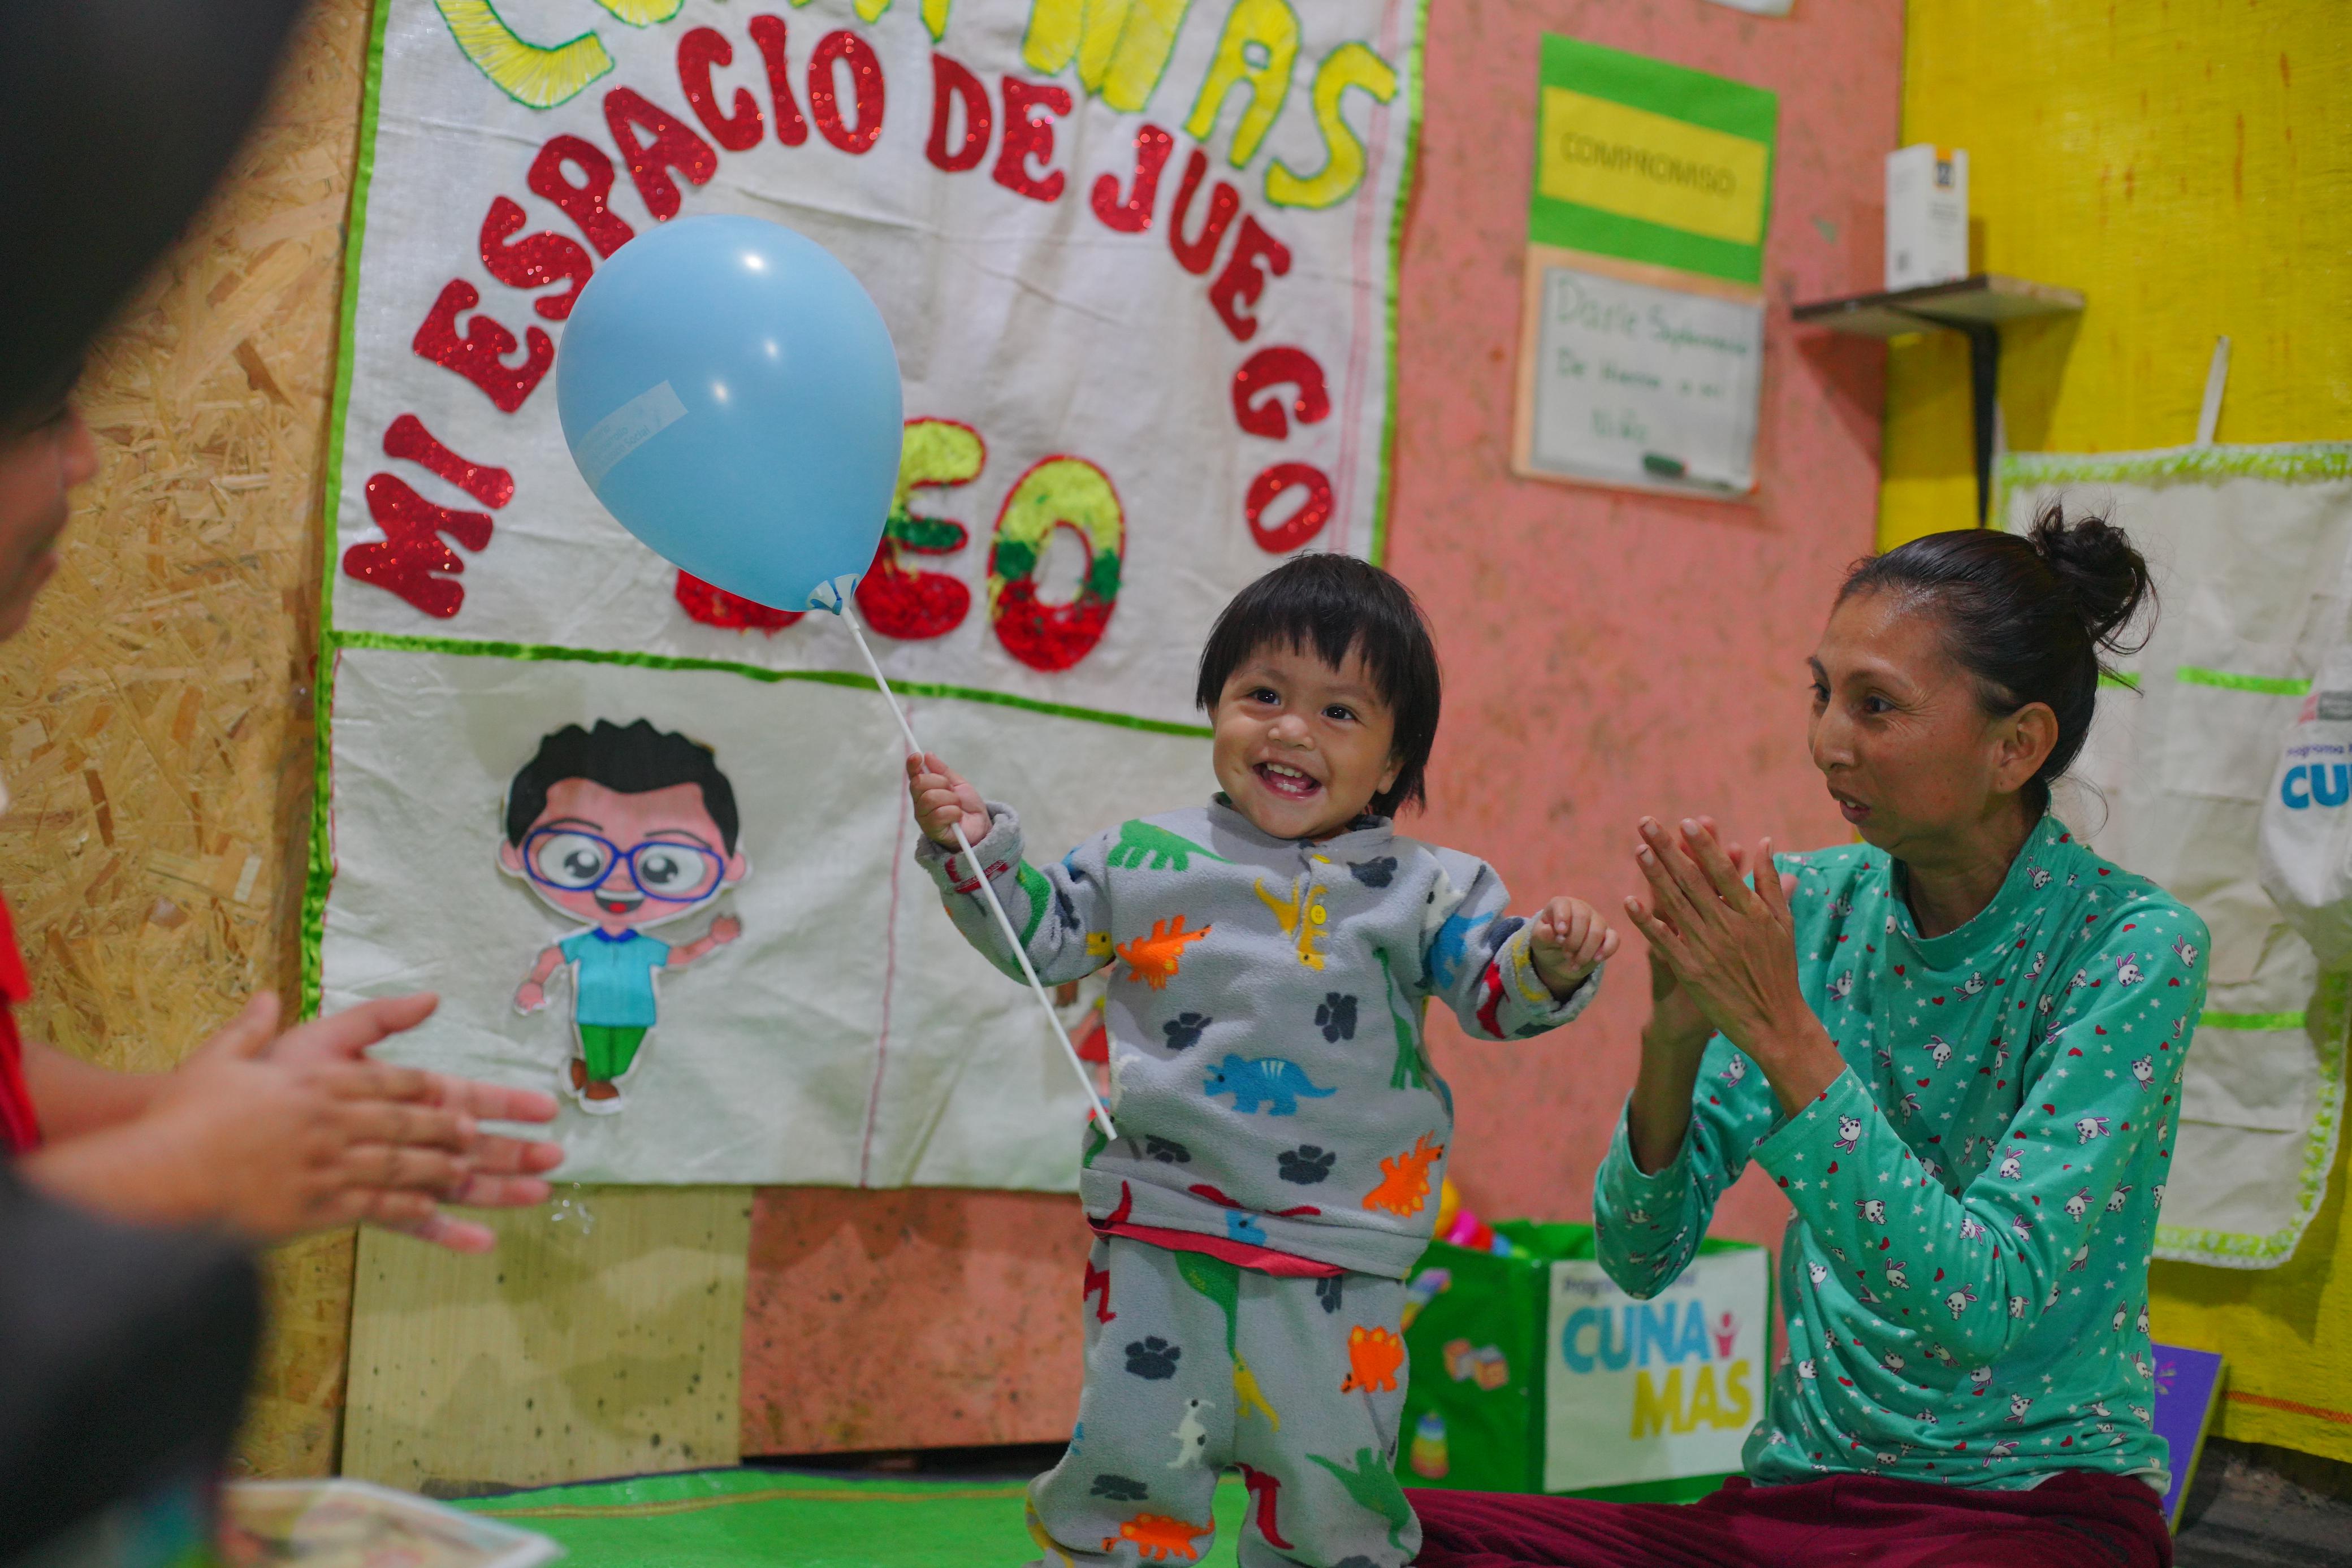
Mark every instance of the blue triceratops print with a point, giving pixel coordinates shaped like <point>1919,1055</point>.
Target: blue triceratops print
<point>1271,1082</point>
<point>1453,948</point>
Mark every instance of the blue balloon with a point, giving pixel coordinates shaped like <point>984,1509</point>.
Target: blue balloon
<point>731,396</point>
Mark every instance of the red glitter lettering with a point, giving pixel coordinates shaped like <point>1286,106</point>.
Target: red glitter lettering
<point>408,439</point>
<point>628,111</point>
<point>697,53</point>
<point>865,86</point>
<point>1302,524</point>
<point>587,204</point>
<point>480,355</point>
<point>913,606</point>
<point>1243,281</point>
<point>1051,497</point>
<point>535,260</point>
<point>896,599</point>
<point>1278,367</point>
<point>1133,215</point>
<point>1197,255</point>
<point>952,82</point>
<point>1029,135</point>
<point>715,606</point>
<point>405,561</point>
<point>769,34</point>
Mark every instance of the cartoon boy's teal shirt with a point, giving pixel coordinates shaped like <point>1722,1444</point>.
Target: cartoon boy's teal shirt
<point>622,828</point>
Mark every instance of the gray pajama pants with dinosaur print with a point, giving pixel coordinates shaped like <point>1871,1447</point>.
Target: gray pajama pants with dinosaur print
<point>1196,1365</point>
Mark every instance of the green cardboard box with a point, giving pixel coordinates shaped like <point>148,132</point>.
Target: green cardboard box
<point>1480,1334</point>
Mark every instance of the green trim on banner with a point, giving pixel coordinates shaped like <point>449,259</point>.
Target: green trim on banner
<point>2127,679</point>
<point>2231,1249</point>
<point>1377,552</point>
<point>474,649</point>
<point>2283,463</point>
<point>2288,462</point>
<point>320,873</point>
<point>2266,686</point>
<point>2251,1020</point>
<point>354,232</point>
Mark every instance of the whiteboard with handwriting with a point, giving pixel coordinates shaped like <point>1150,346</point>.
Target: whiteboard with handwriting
<point>1651,388</point>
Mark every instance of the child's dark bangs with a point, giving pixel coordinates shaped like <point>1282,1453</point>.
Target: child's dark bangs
<point>1332,633</point>
<point>1303,609</point>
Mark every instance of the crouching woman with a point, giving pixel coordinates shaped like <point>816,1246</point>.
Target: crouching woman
<point>1957,1048</point>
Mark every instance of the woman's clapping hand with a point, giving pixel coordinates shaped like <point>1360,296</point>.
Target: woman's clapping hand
<point>1730,950</point>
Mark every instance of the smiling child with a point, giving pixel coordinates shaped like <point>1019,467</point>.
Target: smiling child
<point>1281,1129</point>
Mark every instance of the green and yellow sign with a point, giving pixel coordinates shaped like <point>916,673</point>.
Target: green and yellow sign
<point>1652,163</point>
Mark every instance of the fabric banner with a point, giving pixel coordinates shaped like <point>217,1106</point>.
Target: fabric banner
<point>1139,262</point>
<point>2249,549</point>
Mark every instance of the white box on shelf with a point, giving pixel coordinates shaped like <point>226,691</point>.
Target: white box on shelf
<point>1927,215</point>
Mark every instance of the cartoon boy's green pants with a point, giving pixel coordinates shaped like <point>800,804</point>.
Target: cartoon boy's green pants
<point>609,1049</point>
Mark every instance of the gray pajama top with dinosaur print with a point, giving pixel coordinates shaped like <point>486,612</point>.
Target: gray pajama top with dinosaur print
<point>1976,1195</point>
<point>1264,1013</point>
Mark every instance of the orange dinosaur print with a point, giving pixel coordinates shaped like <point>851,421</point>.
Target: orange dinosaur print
<point>1404,1184</point>
<point>1373,1357</point>
<point>1159,1538</point>
<point>1153,959</point>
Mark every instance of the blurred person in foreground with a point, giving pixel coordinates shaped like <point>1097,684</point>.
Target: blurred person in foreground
<point>129,1204</point>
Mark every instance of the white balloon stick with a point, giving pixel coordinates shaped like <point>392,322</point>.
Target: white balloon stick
<point>1003,921</point>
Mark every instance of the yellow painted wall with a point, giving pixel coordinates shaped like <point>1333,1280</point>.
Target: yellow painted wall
<point>2188,165</point>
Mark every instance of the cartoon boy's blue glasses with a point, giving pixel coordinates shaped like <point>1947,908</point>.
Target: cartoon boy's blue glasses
<point>570,860</point>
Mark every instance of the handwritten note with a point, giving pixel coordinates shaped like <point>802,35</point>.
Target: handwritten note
<point>1647,387</point>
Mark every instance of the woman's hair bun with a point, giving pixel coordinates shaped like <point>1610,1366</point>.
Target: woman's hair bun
<point>2029,615</point>
<point>2101,568</point>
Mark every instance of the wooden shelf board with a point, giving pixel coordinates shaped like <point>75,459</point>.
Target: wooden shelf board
<point>1985,298</point>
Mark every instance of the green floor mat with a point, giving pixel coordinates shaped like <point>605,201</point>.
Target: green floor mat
<point>754,1519</point>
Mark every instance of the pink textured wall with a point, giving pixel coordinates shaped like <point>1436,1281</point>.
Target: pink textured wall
<point>1606,654</point>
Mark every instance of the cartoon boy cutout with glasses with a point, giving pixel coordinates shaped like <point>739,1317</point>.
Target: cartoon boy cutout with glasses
<point>621,828</point>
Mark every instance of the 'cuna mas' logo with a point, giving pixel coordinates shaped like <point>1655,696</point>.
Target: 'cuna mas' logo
<point>2309,784</point>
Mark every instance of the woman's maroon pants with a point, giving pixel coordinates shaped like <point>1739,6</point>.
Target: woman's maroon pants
<point>2075,1520</point>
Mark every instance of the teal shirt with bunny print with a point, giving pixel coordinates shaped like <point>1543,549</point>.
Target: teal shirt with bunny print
<point>1976,1195</point>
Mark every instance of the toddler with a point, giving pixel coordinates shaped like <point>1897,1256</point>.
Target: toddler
<point>1281,1130</point>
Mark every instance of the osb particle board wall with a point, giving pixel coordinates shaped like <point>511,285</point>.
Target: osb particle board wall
<point>155,718</point>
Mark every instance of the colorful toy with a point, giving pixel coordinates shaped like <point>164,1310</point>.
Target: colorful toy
<point>1425,1288</point>
<point>1458,1227</point>
<point>1427,1457</point>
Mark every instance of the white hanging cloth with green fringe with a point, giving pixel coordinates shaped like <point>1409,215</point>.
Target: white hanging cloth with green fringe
<point>2248,546</point>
